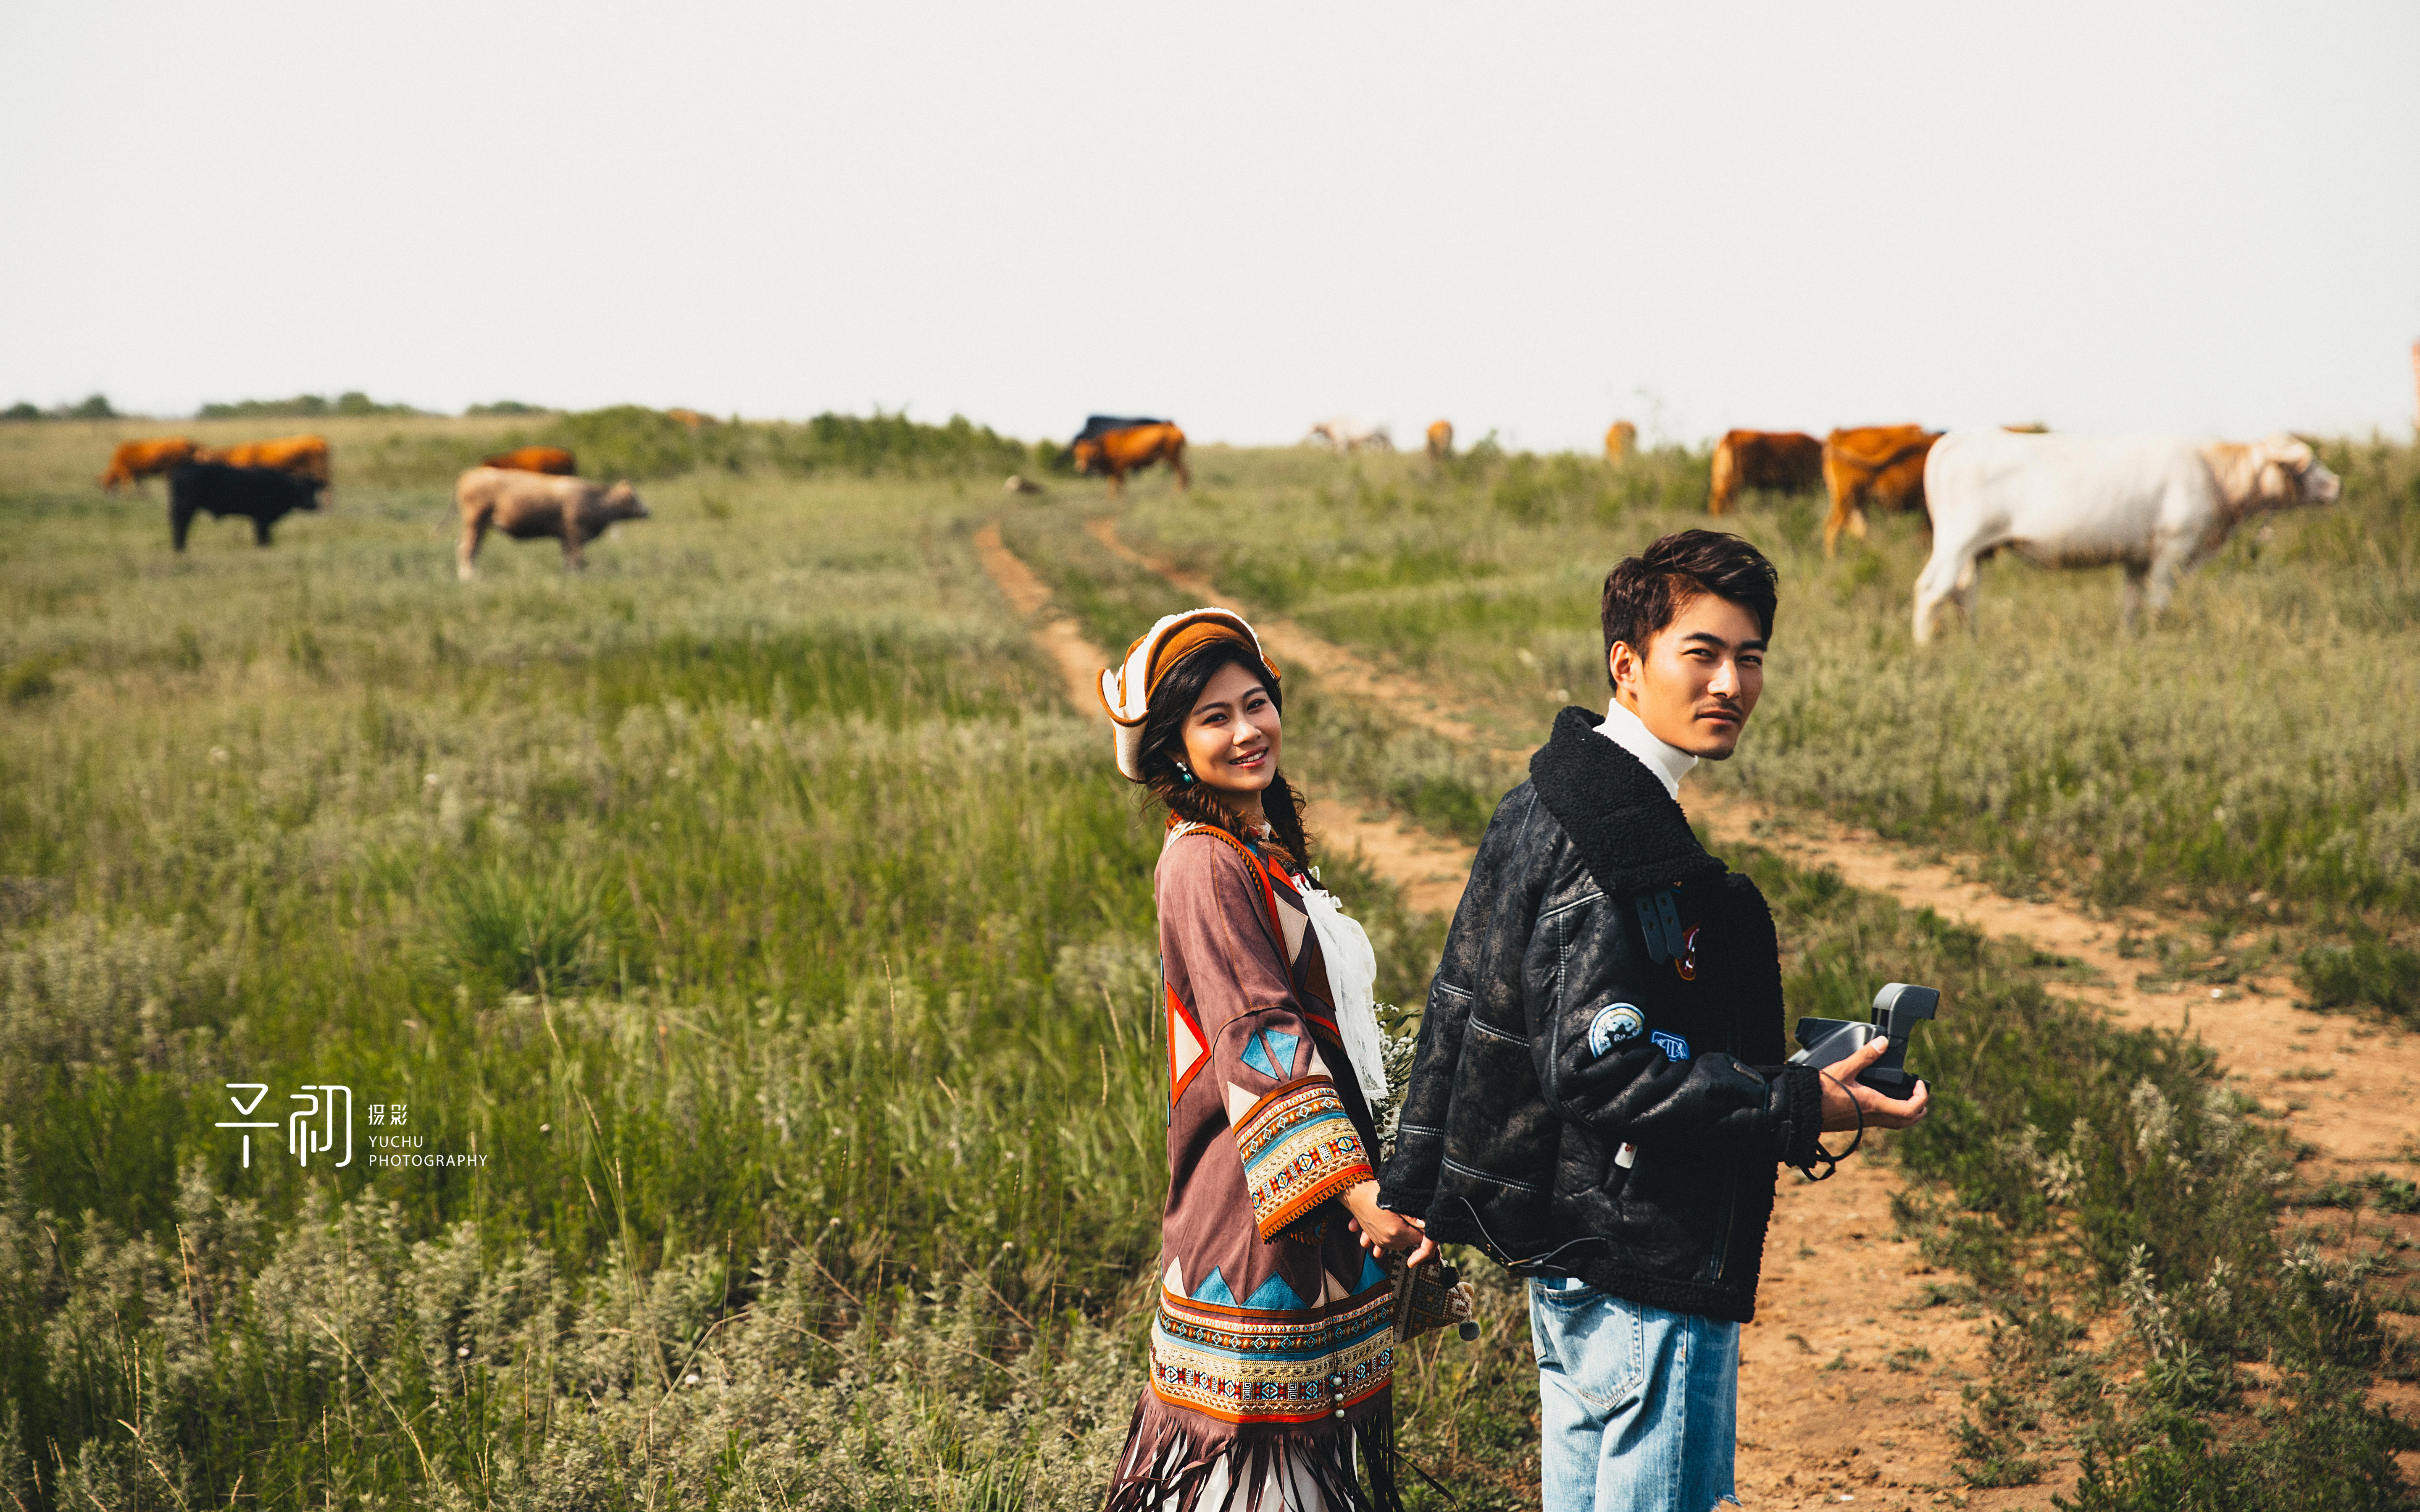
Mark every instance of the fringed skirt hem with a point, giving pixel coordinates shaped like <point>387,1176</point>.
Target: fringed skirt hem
<point>1178,1460</point>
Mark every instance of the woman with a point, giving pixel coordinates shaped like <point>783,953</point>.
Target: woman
<point>1272,1349</point>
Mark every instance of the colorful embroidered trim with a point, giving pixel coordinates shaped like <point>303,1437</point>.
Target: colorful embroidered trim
<point>1300,1149</point>
<point>1242,1366</point>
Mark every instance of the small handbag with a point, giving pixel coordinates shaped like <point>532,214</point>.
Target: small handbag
<point>1428,1297</point>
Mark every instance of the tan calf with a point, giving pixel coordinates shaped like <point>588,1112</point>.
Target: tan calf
<point>529,505</point>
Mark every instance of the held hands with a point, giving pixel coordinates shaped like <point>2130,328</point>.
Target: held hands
<point>1385,1233</point>
<point>1845,1097</point>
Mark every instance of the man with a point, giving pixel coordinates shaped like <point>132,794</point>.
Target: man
<point>1599,1099</point>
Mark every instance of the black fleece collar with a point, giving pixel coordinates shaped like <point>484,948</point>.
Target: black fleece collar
<point>1632,835</point>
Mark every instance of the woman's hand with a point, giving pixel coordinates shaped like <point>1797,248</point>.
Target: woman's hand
<point>1385,1233</point>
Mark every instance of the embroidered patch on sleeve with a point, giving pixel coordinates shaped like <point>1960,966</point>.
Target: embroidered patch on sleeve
<point>1670,1043</point>
<point>1299,1148</point>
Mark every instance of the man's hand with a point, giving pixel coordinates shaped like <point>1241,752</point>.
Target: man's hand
<point>1382,1231</point>
<point>1845,1097</point>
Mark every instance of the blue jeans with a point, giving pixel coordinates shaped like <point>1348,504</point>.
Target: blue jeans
<point>1639,1407</point>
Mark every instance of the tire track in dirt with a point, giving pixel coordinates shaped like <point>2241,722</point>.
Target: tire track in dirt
<point>1850,1376</point>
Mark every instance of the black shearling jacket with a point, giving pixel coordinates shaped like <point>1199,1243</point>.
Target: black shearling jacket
<point>1557,1029</point>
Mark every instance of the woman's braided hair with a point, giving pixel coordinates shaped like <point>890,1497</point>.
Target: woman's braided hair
<point>1163,744</point>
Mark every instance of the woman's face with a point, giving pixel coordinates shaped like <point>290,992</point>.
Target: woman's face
<point>1230,737</point>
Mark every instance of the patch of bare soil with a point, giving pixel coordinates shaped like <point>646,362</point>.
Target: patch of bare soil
<point>2347,1087</point>
<point>1080,662</point>
<point>1293,646</point>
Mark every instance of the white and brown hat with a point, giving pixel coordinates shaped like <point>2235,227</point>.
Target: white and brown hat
<point>1125,691</point>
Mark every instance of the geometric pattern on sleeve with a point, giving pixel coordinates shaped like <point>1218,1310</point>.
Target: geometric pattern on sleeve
<point>1245,1366</point>
<point>1270,1052</point>
<point>1298,1149</point>
<point>1188,1051</point>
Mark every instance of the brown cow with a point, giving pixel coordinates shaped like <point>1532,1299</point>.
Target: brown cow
<point>134,461</point>
<point>1785,461</point>
<point>1620,440</point>
<point>1130,449</point>
<point>1441,441</point>
<point>1877,465</point>
<point>553,460</point>
<point>305,456</point>
<point>691,418</point>
<point>528,505</point>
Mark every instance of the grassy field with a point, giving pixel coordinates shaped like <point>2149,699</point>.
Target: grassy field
<point>771,950</point>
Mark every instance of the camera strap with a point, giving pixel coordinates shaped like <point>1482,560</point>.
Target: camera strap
<point>1830,1161</point>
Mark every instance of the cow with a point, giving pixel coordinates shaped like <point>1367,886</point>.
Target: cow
<point>691,418</point>
<point>1344,433</point>
<point>305,456</point>
<point>134,461</point>
<point>1785,461</point>
<point>1877,465</point>
<point>2154,504</point>
<point>262,495</point>
<point>552,461</point>
<point>1115,447</point>
<point>1620,440</point>
<point>1441,441</point>
<point>528,505</point>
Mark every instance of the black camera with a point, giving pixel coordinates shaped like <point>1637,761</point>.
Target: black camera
<point>1897,1009</point>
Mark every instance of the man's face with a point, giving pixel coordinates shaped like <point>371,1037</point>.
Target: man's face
<point>1698,679</point>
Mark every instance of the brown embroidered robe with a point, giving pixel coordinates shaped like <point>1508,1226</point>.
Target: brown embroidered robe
<point>1271,1350</point>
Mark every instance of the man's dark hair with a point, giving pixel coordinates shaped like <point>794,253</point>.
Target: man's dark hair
<point>1643,592</point>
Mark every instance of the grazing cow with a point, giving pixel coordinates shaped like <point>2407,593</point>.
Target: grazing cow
<point>2155,504</point>
<point>134,461</point>
<point>305,456</point>
<point>1877,465</point>
<point>528,505</point>
<point>262,495</point>
<point>551,460</point>
<point>691,418</point>
<point>1620,440</point>
<point>1782,460</point>
<point>1117,447</point>
<point>1441,441</point>
<point>1344,433</point>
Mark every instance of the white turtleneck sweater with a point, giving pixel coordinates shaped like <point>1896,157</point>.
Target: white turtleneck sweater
<point>1668,763</point>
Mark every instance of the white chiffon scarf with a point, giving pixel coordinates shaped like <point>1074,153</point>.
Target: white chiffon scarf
<point>1352,975</point>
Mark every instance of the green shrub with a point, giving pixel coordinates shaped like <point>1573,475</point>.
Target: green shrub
<point>2363,973</point>
<point>30,681</point>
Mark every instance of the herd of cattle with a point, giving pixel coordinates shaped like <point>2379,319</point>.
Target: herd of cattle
<point>530,493</point>
<point>2152,505</point>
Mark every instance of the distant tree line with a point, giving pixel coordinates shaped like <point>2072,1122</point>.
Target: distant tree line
<point>95,407</point>
<point>304,407</point>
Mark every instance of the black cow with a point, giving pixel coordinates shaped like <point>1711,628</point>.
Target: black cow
<point>262,495</point>
<point>1097,427</point>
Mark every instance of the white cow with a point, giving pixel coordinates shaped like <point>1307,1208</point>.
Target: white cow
<point>1347,434</point>
<point>2157,505</point>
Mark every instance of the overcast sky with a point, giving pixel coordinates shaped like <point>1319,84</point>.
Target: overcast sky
<point>1531,218</point>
